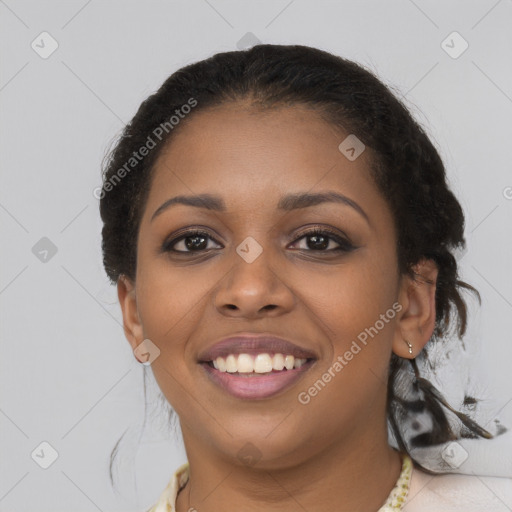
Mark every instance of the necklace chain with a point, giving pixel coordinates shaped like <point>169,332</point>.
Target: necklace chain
<point>399,493</point>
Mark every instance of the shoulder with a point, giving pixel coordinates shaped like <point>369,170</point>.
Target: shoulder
<point>455,492</point>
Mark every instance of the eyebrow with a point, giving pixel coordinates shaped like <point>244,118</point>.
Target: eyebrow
<point>286,203</point>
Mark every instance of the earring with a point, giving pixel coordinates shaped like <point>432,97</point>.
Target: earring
<point>409,344</point>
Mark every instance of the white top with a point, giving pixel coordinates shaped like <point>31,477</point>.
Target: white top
<point>427,493</point>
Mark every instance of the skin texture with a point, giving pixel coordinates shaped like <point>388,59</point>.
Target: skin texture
<point>319,456</point>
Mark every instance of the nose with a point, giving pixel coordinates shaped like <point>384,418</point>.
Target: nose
<point>254,290</point>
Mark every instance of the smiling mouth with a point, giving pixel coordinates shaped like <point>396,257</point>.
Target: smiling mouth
<point>256,376</point>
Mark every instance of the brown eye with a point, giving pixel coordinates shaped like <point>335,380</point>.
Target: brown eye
<point>323,241</point>
<point>318,242</point>
<point>191,241</point>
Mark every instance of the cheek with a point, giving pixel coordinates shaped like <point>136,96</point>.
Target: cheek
<point>352,297</point>
<point>356,308</point>
<point>354,304</point>
<point>171,305</point>
<point>167,290</point>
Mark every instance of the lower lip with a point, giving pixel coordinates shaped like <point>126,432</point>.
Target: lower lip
<point>254,385</point>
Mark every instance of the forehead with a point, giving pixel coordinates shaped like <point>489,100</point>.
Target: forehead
<point>254,156</point>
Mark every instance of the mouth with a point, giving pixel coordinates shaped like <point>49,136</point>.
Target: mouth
<point>255,367</point>
<point>259,376</point>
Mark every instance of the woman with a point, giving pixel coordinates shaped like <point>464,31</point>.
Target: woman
<point>281,233</point>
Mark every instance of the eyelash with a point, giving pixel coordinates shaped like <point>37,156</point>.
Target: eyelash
<point>344,245</point>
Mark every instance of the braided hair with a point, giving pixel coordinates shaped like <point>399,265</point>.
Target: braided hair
<point>405,166</point>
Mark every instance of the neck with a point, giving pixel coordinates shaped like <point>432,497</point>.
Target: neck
<point>354,475</point>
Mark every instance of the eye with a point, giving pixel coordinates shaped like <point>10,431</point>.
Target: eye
<point>318,240</point>
<point>189,241</point>
<point>322,240</point>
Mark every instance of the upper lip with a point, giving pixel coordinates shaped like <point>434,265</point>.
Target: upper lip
<point>254,344</point>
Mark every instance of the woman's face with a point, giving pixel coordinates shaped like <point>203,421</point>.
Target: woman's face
<point>257,271</point>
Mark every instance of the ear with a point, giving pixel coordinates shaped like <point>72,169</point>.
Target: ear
<point>128,302</point>
<point>416,321</point>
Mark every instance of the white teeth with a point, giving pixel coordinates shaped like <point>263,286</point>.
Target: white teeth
<point>289,361</point>
<point>221,364</point>
<point>245,363</point>
<point>299,362</point>
<point>231,366</point>
<point>260,363</point>
<point>278,362</point>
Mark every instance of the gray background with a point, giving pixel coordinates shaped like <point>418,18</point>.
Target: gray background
<point>67,375</point>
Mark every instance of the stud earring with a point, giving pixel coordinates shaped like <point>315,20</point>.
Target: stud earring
<point>409,344</point>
